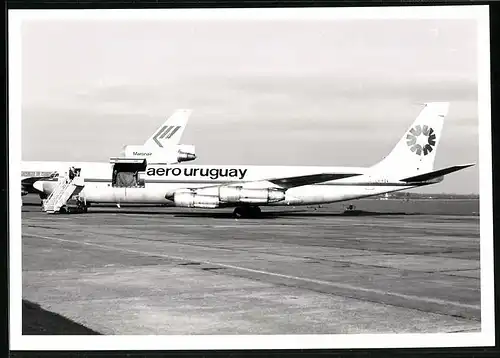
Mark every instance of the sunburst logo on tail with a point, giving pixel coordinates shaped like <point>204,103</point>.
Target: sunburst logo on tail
<point>421,147</point>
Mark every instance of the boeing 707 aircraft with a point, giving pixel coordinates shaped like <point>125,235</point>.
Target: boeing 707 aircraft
<point>161,148</point>
<point>410,164</point>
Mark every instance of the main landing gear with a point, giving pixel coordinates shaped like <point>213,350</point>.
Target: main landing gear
<point>246,212</point>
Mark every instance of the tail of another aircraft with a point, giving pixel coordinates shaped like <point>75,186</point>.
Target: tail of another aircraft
<point>171,131</point>
<point>415,152</point>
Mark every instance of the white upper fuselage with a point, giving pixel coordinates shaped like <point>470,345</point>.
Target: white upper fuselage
<point>31,169</point>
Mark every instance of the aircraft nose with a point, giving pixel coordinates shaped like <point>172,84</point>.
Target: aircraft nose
<point>38,185</point>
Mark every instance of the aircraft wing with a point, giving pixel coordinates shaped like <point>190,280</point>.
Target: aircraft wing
<point>436,173</point>
<point>31,180</point>
<point>284,183</point>
<point>292,182</point>
<point>27,184</point>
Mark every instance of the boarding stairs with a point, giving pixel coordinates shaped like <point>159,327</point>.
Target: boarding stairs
<point>65,190</point>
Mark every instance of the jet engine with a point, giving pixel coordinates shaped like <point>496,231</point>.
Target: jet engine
<point>215,196</point>
<point>190,199</point>
<point>185,154</point>
<point>232,194</point>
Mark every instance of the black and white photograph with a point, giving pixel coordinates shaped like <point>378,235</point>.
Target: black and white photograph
<point>250,178</point>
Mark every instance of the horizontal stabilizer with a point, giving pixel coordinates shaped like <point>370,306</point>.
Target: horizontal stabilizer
<point>292,182</point>
<point>436,173</point>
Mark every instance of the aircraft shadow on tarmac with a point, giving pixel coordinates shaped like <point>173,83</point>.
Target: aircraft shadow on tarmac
<point>264,215</point>
<point>38,321</point>
<point>216,214</point>
<point>282,214</point>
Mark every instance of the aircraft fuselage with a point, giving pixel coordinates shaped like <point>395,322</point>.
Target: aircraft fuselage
<point>160,182</point>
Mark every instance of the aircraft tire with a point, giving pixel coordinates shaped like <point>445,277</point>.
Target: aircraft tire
<point>246,212</point>
<point>239,212</point>
<point>254,211</point>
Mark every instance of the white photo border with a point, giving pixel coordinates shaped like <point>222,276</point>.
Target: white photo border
<point>196,342</point>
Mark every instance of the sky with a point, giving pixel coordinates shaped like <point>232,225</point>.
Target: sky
<point>329,93</point>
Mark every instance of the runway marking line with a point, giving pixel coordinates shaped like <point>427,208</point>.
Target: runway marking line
<point>268,273</point>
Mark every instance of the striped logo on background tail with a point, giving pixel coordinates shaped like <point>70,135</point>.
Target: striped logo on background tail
<point>166,132</point>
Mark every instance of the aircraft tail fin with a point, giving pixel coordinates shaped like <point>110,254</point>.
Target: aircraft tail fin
<point>416,151</point>
<point>171,131</point>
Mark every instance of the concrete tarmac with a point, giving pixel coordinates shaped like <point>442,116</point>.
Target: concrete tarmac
<point>179,271</point>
